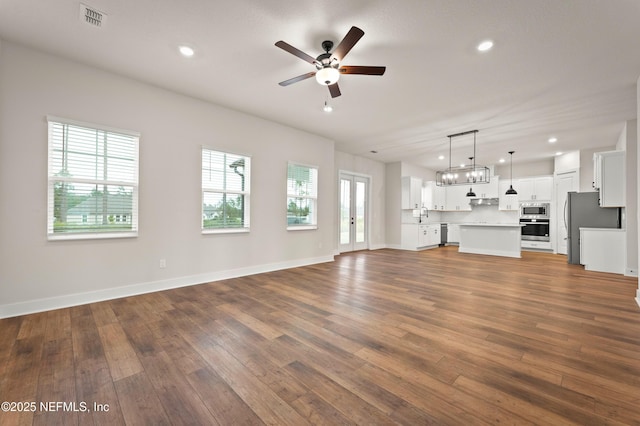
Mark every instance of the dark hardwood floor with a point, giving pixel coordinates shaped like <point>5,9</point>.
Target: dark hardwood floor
<point>374,338</point>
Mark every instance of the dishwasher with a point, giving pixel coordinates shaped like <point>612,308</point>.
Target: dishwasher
<point>443,233</point>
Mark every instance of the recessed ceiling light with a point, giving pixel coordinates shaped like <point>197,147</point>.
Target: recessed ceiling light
<point>186,51</point>
<point>559,153</point>
<point>441,157</point>
<point>502,160</point>
<point>485,45</point>
<point>462,165</point>
<point>553,139</point>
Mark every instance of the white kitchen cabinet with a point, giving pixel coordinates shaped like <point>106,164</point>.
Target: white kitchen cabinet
<point>609,177</point>
<point>409,237</point>
<point>487,190</point>
<point>535,188</point>
<point>439,197</point>
<point>411,193</point>
<point>507,202</point>
<point>536,245</point>
<point>603,249</point>
<point>433,196</point>
<point>456,198</point>
<point>423,235</point>
<point>416,236</point>
<point>433,235</point>
<point>453,233</point>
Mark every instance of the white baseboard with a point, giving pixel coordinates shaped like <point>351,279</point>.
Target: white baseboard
<point>630,272</point>
<point>638,297</point>
<point>377,246</point>
<point>503,253</point>
<point>68,300</point>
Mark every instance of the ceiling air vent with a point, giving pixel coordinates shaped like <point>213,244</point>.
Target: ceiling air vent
<point>92,16</point>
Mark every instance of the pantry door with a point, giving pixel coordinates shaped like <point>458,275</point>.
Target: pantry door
<point>354,206</point>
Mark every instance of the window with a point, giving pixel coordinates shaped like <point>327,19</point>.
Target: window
<point>302,196</point>
<point>225,191</point>
<point>93,181</point>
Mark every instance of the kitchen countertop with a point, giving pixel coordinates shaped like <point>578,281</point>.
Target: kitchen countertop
<point>507,225</point>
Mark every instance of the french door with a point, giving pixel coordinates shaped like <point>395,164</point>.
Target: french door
<point>354,207</point>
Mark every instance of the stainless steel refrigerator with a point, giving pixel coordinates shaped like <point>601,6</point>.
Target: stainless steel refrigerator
<point>583,211</point>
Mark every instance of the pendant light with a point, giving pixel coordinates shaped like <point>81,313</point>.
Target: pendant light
<point>466,174</point>
<point>473,173</point>
<point>511,191</point>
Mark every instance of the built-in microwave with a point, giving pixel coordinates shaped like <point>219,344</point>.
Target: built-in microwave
<point>534,210</point>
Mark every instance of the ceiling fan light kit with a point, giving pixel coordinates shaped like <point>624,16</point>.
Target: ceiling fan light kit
<point>464,175</point>
<point>328,68</point>
<point>327,76</point>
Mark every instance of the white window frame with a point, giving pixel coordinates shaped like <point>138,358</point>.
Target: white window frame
<point>54,177</point>
<point>310,198</point>
<point>246,193</point>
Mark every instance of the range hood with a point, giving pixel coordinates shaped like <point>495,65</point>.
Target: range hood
<point>484,201</point>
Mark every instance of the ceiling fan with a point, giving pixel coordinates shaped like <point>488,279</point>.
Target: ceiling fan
<point>328,68</point>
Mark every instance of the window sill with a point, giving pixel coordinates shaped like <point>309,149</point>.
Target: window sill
<point>302,228</point>
<point>91,236</point>
<point>225,231</point>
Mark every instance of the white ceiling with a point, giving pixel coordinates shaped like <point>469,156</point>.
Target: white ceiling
<point>564,68</point>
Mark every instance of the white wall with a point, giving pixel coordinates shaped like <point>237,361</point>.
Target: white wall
<point>375,170</point>
<point>637,181</point>
<point>567,162</point>
<point>627,142</point>
<point>393,208</point>
<point>408,169</point>
<point>533,168</point>
<point>37,274</point>
<point>631,195</point>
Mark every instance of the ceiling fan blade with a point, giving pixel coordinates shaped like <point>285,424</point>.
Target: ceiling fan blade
<point>347,43</point>
<point>334,90</point>
<point>296,52</point>
<point>351,69</point>
<point>297,79</point>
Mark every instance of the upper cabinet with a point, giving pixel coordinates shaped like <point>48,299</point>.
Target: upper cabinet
<point>456,199</point>
<point>535,188</point>
<point>411,193</point>
<point>507,202</point>
<point>609,177</point>
<point>433,196</point>
<point>487,190</point>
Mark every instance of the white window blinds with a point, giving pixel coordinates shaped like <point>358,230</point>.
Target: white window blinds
<point>226,182</point>
<point>302,196</point>
<point>93,181</point>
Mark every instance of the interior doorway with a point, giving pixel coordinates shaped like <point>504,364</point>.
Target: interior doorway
<point>354,212</point>
<point>565,182</point>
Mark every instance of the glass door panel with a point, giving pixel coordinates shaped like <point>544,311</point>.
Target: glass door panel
<point>345,212</point>
<point>353,205</point>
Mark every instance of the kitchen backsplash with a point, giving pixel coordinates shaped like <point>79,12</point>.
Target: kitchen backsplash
<point>486,214</point>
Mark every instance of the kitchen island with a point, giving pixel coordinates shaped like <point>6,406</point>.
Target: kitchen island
<point>495,239</point>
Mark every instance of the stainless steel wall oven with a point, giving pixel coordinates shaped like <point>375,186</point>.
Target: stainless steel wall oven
<point>535,220</point>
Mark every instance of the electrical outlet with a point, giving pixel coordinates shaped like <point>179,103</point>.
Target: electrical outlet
<point>163,263</point>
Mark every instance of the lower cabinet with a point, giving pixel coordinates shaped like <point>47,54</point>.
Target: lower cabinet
<point>603,249</point>
<point>537,245</point>
<point>417,236</point>
<point>453,233</point>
